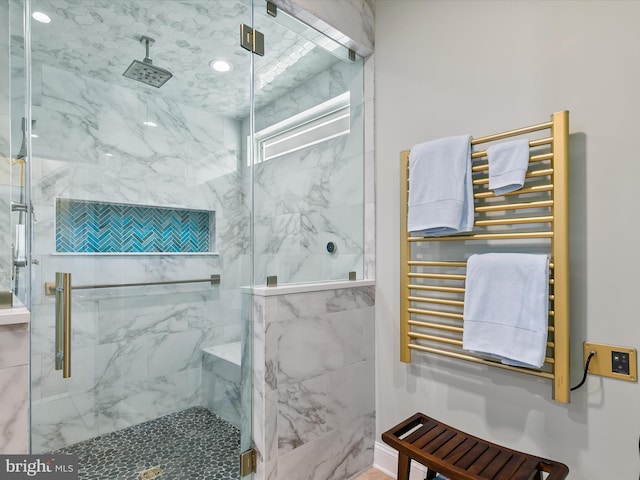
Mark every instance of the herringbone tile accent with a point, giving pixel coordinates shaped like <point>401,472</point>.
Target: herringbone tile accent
<point>83,226</point>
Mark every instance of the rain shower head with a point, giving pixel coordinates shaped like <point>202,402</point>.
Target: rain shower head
<point>145,71</point>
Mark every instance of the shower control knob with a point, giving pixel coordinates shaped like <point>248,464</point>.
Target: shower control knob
<point>331,247</point>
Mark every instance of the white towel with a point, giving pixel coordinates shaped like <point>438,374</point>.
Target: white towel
<point>508,163</point>
<point>506,307</point>
<point>440,187</point>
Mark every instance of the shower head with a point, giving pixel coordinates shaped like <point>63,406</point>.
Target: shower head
<point>145,71</point>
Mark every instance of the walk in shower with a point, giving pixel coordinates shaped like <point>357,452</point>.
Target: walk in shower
<point>158,190</point>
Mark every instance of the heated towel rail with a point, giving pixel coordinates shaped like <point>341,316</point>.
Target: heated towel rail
<point>534,219</point>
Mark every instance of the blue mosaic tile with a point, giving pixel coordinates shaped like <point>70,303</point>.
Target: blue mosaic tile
<point>83,226</point>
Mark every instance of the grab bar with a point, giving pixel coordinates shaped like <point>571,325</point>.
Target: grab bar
<point>214,279</point>
<point>62,289</point>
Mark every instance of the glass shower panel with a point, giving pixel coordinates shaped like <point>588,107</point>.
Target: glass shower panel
<point>308,167</point>
<point>137,192</point>
<point>13,137</point>
<point>6,28</point>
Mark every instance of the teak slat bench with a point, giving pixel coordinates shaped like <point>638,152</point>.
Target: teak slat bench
<point>460,456</point>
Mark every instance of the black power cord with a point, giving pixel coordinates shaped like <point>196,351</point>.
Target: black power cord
<point>586,370</point>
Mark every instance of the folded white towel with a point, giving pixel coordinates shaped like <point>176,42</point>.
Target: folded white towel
<point>506,307</point>
<point>508,162</point>
<point>440,187</point>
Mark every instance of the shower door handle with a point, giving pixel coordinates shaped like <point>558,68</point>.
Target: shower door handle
<point>63,323</point>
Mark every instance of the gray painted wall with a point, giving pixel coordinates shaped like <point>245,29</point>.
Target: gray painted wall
<point>445,68</point>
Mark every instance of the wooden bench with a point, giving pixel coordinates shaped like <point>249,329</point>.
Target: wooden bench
<point>460,456</point>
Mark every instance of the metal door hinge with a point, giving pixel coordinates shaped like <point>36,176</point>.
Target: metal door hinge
<point>251,39</point>
<point>247,462</point>
<point>272,9</point>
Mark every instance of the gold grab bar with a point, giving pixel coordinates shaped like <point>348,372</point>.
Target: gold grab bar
<point>62,290</point>
<point>214,279</point>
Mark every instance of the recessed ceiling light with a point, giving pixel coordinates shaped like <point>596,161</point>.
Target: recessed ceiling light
<point>41,17</point>
<point>108,154</point>
<point>150,124</point>
<point>220,65</point>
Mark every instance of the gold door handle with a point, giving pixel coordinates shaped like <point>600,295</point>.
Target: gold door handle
<point>63,323</point>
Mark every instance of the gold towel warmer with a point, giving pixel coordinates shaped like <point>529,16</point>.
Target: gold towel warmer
<point>536,216</point>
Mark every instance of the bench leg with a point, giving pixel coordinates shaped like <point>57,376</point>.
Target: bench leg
<point>404,465</point>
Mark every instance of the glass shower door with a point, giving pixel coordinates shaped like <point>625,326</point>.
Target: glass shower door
<point>138,192</point>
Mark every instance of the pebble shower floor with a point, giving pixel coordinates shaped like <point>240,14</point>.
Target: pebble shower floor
<point>190,445</point>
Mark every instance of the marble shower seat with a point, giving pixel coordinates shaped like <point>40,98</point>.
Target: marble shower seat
<point>221,381</point>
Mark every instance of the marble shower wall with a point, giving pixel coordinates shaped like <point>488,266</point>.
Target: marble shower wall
<point>350,21</point>
<point>314,406</point>
<point>5,154</point>
<point>14,381</point>
<point>137,350</point>
<point>305,199</point>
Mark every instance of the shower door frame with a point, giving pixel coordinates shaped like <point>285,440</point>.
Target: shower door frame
<point>35,293</point>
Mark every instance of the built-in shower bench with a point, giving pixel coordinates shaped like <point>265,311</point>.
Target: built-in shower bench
<point>221,381</point>
<point>460,456</point>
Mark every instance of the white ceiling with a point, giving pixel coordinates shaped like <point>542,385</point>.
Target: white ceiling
<point>100,38</point>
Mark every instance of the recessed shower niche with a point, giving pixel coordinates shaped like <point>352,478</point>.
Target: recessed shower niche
<point>97,227</point>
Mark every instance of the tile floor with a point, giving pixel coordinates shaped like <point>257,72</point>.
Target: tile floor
<point>192,444</point>
<point>373,474</point>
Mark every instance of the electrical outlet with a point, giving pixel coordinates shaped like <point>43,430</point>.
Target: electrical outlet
<point>612,361</point>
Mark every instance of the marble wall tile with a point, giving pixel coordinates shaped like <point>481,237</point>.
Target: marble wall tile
<point>5,70</point>
<point>51,383</point>
<point>346,186</point>
<point>369,241</point>
<point>246,372</point>
<point>14,345</point>
<point>257,387</point>
<point>5,143</point>
<point>320,345</point>
<point>341,225</point>
<point>272,336</point>
<point>67,92</point>
<point>127,318</point>
<point>5,153</point>
<point>302,413</point>
<point>270,425</point>
<point>308,348</point>
<point>356,337</point>
<point>85,326</point>
<point>350,394</point>
<point>353,23</point>
<point>316,183</point>
<point>14,416</point>
<point>223,399</point>
<point>58,423</point>
<point>139,401</point>
<point>300,305</point>
<point>339,454</point>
